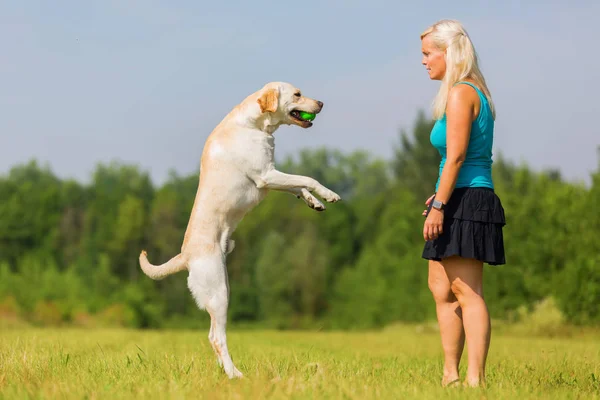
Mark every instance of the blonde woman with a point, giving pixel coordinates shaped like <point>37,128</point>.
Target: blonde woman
<point>463,228</point>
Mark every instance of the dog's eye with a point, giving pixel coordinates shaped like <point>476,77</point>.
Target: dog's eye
<point>297,94</point>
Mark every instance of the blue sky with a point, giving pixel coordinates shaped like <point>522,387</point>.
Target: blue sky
<point>145,82</point>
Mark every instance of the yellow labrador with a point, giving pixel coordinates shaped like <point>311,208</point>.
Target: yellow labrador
<point>236,172</point>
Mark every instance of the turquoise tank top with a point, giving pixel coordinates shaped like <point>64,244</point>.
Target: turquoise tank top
<point>476,170</point>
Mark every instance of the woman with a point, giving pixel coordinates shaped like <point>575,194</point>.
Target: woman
<point>463,228</point>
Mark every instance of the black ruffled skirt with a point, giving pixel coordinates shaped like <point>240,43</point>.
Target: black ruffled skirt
<point>473,222</point>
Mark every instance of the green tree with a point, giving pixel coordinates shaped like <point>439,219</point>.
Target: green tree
<point>30,207</point>
<point>117,193</point>
<point>416,161</point>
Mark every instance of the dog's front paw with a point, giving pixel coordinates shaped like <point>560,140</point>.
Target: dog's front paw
<point>316,205</point>
<point>311,200</point>
<point>329,195</point>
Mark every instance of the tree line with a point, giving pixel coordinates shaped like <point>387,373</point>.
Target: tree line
<point>68,250</point>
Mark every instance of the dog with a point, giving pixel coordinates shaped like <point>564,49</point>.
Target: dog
<point>236,172</point>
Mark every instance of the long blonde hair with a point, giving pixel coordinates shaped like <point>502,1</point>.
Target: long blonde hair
<point>461,62</point>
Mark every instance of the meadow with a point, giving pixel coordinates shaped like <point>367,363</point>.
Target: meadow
<point>398,362</point>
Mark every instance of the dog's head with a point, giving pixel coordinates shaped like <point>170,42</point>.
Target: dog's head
<point>286,102</point>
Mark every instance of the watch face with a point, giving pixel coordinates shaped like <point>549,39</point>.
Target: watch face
<point>437,204</point>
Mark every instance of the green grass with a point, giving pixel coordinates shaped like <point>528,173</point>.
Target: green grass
<point>397,363</point>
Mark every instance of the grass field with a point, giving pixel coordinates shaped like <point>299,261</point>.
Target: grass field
<point>397,363</point>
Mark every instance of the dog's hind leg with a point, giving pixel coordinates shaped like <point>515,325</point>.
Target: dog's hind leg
<point>218,311</point>
<point>209,285</point>
<point>230,246</point>
<point>211,339</point>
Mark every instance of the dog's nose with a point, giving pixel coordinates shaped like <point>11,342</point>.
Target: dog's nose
<point>320,103</point>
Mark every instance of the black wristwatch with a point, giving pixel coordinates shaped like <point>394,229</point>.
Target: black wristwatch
<point>438,205</point>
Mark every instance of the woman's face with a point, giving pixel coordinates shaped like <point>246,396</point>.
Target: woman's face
<point>433,59</point>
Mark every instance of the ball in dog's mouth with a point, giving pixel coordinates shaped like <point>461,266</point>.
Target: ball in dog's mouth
<point>304,117</point>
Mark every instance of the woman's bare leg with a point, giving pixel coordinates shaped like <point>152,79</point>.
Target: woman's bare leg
<point>449,319</point>
<point>466,282</point>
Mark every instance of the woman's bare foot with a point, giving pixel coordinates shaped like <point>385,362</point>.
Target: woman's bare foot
<point>450,380</point>
<point>474,382</point>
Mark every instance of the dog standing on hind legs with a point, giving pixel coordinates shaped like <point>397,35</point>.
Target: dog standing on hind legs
<point>236,173</point>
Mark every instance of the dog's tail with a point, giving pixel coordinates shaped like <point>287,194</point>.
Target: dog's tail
<point>157,272</point>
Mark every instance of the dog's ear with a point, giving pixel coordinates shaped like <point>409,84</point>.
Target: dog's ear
<point>268,101</point>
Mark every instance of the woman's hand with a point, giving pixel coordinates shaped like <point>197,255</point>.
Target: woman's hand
<point>433,224</point>
<point>427,202</point>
